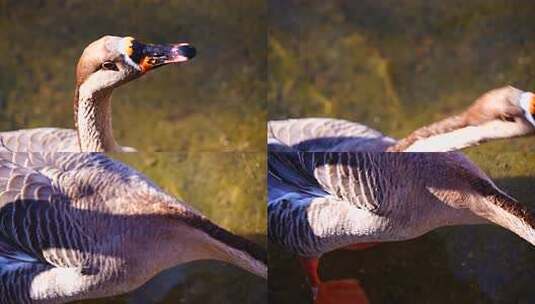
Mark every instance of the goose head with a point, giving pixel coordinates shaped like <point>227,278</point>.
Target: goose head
<point>112,61</point>
<point>506,104</point>
<point>106,64</point>
<point>505,112</point>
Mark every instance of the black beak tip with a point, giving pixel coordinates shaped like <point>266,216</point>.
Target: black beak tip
<point>187,51</point>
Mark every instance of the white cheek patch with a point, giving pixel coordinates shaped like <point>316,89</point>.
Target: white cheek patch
<point>124,47</point>
<point>526,100</point>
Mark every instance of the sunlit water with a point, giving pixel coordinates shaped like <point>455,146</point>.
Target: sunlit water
<point>395,66</point>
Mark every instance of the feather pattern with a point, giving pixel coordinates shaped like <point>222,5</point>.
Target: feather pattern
<point>45,218</point>
<point>325,134</point>
<point>321,201</point>
<point>78,225</point>
<point>41,140</point>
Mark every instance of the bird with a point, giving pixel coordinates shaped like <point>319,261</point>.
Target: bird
<point>323,201</point>
<point>78,226</point>
<point>503,112</point>
<point>313,200</point>
<point>104,65</point>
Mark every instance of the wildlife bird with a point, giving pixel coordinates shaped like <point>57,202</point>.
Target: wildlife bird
<point>323,201</point>
<point>500,113</point>
<point>105,64</point>
<point>81,225</point>
<point>305,197</point>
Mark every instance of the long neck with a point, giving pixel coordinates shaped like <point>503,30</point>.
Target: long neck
<point>455,133</point>
<point>486,200</point>
<point>93,120</point>
<point>228,247</point>
<point>466,137</point>
<point>194,237</point>
<point>501,209</point>
<point>436,129</point>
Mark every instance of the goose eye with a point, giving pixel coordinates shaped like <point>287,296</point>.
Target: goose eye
<point>108,65</point>
<point>508,118</point>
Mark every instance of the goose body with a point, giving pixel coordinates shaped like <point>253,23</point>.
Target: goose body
<point>331,186</point>
<point>322,201</point>
<point>81,225</point>
<point>325,134</point>
<point>105,64</point>
<point>41,140</point>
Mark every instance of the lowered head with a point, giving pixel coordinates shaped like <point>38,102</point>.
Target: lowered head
<point>500,113</point>
<point>507,104</point>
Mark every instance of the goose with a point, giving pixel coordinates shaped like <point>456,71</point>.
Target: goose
<point>296,193</point>
<point>319,202</point>
<point>104,65</point>
<point>504,112</point>
<point>78,226</point>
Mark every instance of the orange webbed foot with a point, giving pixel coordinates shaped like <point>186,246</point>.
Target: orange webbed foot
<point>341,292</point>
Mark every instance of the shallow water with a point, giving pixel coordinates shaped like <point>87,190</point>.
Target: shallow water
<point>209,183</point>
<point>216,102</point>
<point>395,66</point>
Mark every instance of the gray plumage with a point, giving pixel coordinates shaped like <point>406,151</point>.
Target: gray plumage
<point>330,186</point>
<point>499,113</point>
<point>79,225</point>
<point>325,134</point>
<point>323,201</point>
<point>104,65</point>
<point>41,140</point>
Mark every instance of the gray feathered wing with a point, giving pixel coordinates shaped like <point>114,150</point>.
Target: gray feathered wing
<point>325,134</point>
<point>37,233</point>
<point>41,140</point>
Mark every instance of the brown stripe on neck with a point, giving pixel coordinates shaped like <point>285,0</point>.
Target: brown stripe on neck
<point>201,223</point>
<point>227,238</point>
<point>487,190</point>
<point>446,125</point>
<point>75,110</point>
<point>75,106</point>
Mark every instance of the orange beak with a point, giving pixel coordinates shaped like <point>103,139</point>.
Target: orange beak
<point>527,103</point>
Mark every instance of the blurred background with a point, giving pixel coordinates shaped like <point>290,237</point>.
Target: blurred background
<point>216,102</point>
<point>396,65</point>
<point>209,183</point>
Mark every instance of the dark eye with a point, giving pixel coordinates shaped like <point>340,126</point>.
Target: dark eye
<point>108,65</point>
<point>508,118</point>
